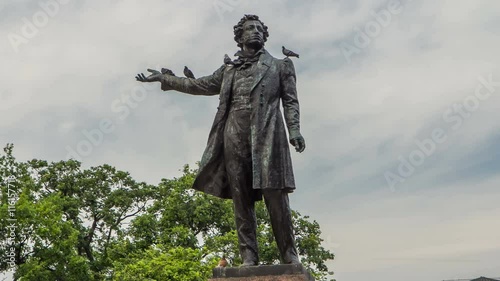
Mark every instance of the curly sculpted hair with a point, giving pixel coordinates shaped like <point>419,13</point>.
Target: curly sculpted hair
<point>238,28</point>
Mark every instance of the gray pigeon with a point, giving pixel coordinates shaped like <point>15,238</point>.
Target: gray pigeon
<point>227,59</point>
<point>288,53</point>
<point>188,72</point>
<point>167,71</point>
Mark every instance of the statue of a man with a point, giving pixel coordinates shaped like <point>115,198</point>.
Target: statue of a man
<point>247,155</point>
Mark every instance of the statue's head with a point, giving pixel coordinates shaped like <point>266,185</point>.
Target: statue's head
<point>250,31</point>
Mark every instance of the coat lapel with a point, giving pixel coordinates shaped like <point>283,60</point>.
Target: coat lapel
<point>227,84</point>
<point>262,67</point>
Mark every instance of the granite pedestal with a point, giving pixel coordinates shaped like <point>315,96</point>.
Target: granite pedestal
<point>281,272</point>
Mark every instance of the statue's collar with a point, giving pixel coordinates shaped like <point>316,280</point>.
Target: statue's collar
<point>243,61</point>
<point>243,56</point>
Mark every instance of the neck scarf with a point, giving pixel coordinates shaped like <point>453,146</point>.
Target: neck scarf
<point>244,61</point>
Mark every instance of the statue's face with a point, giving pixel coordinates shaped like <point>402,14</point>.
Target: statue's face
<point>253,34</point>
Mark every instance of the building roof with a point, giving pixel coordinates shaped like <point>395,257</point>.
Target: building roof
<point>482,278</point>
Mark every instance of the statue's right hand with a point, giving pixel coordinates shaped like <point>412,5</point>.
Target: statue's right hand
<point>155,76</point>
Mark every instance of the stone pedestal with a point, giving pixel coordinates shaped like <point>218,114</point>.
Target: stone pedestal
<point>281,272</point>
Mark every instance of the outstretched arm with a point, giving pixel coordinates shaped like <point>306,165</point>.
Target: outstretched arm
<point>291,104</point>
<point>206,86</point>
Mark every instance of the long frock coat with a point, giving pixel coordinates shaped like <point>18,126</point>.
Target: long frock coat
<point>272,166</point>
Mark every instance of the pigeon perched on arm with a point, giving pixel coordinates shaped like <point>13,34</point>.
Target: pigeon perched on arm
<point>188,72</point>
<point>167,71</point>
<point>288,53</point>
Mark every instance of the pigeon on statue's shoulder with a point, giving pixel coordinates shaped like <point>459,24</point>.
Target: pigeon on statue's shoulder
<point>227,60</point>
<point>288,53</point>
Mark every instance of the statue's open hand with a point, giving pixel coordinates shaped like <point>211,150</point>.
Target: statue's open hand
<point>155,76</point>
<point>299,143</point>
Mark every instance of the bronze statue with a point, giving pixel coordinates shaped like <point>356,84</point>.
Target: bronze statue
<point>247,155</point>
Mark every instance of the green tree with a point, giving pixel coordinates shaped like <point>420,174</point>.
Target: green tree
<point>65,217</point>
<point>181,217</point>
<point>100,224</point>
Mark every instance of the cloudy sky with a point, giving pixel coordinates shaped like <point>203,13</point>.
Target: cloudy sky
<point>399,108</point>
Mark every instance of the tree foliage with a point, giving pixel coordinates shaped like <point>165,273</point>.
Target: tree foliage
<point>63,222</point>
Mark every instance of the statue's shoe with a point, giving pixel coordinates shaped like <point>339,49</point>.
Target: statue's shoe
<point>249,263</point>
<point>294,260</point>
